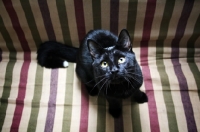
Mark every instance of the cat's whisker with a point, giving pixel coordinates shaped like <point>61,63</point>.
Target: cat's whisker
<point>134,74</point>
<point>134,78</point>
<point>129,82</point>
<point>95,78</point>
<point>102,87</point>
<point>97,84</point>
<point>89,81</point>
<point>107,85</point>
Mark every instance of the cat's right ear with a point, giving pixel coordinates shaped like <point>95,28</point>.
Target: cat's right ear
<point>93,48</point>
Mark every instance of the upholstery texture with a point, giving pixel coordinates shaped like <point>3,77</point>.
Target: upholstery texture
<point>165,36</point>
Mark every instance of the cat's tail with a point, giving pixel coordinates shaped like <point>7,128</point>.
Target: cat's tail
<point>53,54</point>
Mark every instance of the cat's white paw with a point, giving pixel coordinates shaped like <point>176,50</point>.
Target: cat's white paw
<point>65,64</point>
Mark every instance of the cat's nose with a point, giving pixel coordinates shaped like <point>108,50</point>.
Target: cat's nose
<point>114,70</point>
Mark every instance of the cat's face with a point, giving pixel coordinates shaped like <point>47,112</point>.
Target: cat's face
<point>113,65</point>
<point>116,64</point>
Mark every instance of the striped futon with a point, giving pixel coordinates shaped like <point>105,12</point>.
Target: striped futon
<point>165,36</point>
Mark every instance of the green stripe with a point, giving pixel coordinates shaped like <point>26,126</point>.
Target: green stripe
<point>131,19</point>
<point>171,115</point>
<point>101,116</point>
<point>68,99</point>
<point>96,10</point>
<point>35,105</point>
<point>31,22</point>
<point>191,54</point>
<point>9,73</point>
<point>64,21</point>
<point>135,116</point>
<point>6,37</point>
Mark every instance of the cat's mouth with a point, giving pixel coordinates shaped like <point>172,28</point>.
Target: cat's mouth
<point>117,81</point>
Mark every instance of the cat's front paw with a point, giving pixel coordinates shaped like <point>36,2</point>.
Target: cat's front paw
<point>142,98</point>
<point>115,112</point>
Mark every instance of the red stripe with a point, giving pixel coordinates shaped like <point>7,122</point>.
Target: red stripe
<point>114,16</point>
<point>84,109</point>
<point>80,21</point>
<point>154,124</point>
<point>84,95</point>
<point>21,94</point>
<point>24,71</point>
<point>16,25</point>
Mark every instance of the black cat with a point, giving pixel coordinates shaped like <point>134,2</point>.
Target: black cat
<point>106,65</point>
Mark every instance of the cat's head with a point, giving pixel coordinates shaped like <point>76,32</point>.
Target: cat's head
<point>115,64</point>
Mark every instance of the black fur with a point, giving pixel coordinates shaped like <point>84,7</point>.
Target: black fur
<point>106,65</point>
<point>52,54</point>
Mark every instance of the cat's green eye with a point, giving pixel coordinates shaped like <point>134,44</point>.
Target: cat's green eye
<point>121,60</point>
<point>104,64</point>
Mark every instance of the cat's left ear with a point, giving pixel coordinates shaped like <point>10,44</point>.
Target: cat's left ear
<point>124,40</point>
<point>93,48</point>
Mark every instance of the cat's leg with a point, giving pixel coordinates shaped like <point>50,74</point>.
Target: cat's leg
<point>140,97</point>
<point>115,106</point>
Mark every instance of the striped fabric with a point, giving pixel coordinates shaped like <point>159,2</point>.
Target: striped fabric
<point>165,36</point>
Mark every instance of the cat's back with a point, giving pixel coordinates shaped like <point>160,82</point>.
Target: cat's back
<point>103,37</point>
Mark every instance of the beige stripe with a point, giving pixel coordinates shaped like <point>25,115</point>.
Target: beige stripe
<point>55,20</point>
<point>141,9</point>
<point>60,100</point>
<point>136,50</point>
<point>76,105</point>
<point>42,115</point>
<point>13,93</point>
<point>10,29</point>
<point>176,96</point>
<point>38,19</point>
<point>123,12</point>
<point>144,117</point>
<point>72,22</point>
<point>159,10</point>
<point>105,14</point>
<point>92,115</point>
<point>23,126</point>
<point>127,118</point>
<point>88,15</point>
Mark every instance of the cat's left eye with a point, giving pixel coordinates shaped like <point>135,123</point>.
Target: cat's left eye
<point>121,60</point>
<point>104,64</point>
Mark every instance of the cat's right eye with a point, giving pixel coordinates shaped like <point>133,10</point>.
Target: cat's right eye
<point>104,64</point>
